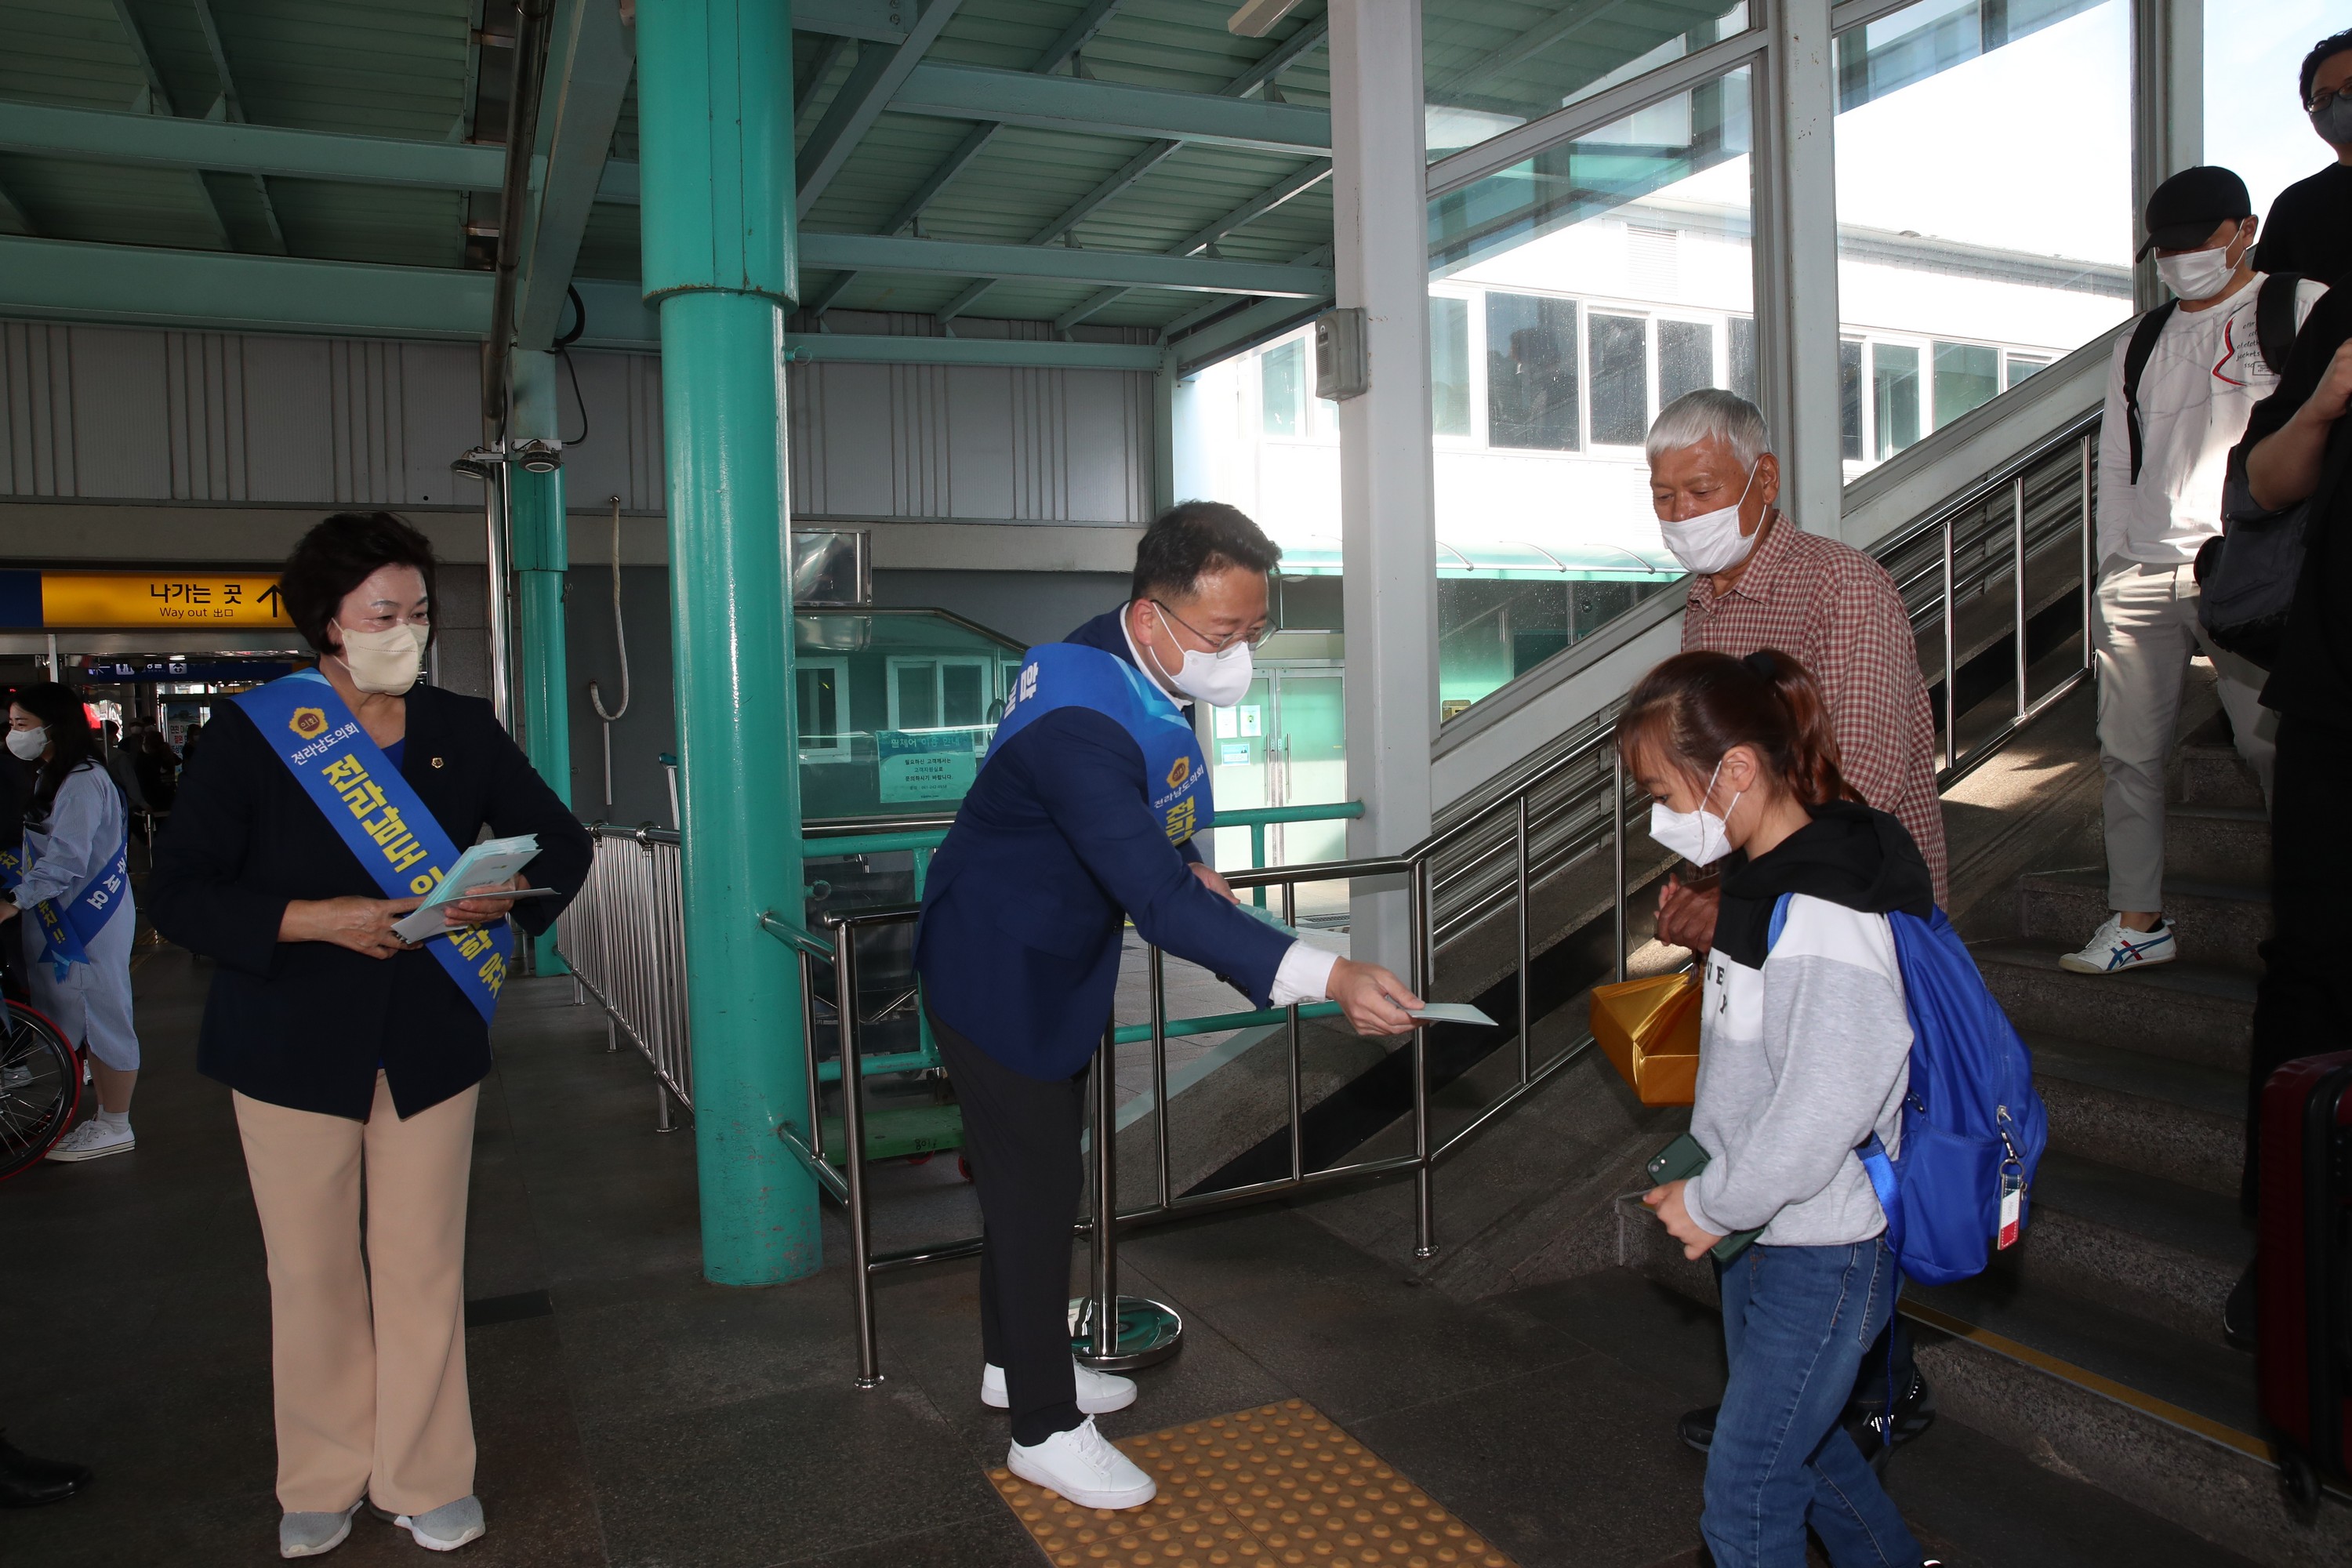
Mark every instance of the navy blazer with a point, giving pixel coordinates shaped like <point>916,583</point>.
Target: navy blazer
<point>1053,848</point>
<point>307,1024</point>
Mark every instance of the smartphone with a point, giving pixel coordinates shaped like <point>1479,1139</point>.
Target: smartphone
<point>1680,1161</point>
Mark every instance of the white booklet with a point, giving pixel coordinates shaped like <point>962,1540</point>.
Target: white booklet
<point>1451,1012</point>
<point>486,865</point>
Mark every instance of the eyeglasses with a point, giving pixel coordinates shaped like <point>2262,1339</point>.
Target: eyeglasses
<point>1254,636</point>
<point>2322,97</point>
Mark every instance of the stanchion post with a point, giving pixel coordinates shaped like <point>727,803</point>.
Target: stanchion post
<point>1106,1236</point>
<point>1424,1219</point>
<point>852,1150</point>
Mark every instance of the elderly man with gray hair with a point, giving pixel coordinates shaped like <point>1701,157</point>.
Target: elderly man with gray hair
<point>1759,581</point>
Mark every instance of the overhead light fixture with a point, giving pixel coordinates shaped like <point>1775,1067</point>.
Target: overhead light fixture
<point>1257,18</point>
<point>539,455</point>
<point>480,463</point>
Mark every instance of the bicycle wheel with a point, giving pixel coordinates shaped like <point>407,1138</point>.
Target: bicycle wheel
<point>40,1087</point>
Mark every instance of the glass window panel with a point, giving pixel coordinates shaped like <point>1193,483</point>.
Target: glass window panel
<point>914,695</point>
<point>1621,379</point>
<point>964,694</point>
<point>1449,366</point>
<point>1531,365</point>
<point>1967,376</point>
<point>1850,400</point>
<point>1685,359</point>
<point>2024,365</point>
<point>1895,396</point>
<point>2253,124</point>
<point>1281,385</point>
<point>1956,224</point>
<point>1743,357</point>
<point>1487,68</point>
<point>820,710</point>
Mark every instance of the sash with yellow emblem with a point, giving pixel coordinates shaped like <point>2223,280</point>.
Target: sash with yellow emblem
<point>1175,770</point>
<point>377,814</point>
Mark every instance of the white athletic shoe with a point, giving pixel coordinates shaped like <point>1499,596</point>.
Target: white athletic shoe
<point>1099,1393</point>
<point>2112,950</point>
<point>1084,1469</point>
<point>91,1140</point>
<point>444,1529</point>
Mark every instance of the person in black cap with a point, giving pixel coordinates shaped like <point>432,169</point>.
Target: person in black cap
<point>2310,225</point>
<point>2180,390</point>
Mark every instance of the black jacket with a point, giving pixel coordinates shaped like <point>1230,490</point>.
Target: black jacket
<point>306,1024</point>
<point>1848,854</point>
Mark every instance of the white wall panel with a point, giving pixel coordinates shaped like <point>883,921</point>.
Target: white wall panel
<point>133,413</point>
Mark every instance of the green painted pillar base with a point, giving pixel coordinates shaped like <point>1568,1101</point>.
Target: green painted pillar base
<point>542,556</point>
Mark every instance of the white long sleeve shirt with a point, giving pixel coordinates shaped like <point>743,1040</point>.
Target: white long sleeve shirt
<point>2198,386</point>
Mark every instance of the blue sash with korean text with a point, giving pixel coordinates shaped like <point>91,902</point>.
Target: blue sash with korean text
<point>1175,770</point>
<point>67,933</point>
<point>376,813</point>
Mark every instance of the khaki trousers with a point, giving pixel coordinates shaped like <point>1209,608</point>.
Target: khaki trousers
<point>367,1348</point>
<point>2145,634</point>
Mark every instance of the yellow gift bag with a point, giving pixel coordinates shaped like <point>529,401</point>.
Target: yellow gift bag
<point>1650,1029</point>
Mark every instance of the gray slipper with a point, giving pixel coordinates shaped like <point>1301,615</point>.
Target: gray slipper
<point>308,1534</point>
<point>444,1529</point>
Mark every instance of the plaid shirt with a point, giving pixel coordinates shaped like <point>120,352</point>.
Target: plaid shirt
<point>1838,612</point>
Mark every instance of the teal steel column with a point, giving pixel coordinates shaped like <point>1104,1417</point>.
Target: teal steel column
<point>715,131</point>
<point>540,557</point>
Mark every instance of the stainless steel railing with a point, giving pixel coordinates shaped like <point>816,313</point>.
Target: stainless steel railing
<point>625,940</point>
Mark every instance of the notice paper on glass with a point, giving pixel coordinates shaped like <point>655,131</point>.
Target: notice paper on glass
<point>1451,1012</point>
<point>486,865</point>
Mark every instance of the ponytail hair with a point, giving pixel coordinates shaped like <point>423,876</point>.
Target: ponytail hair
<point>1695,706</point>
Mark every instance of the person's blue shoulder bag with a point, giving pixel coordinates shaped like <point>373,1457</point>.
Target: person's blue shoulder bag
<point>1973,1126</point>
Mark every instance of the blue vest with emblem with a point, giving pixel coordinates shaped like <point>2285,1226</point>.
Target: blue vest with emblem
<point>1069,675</point>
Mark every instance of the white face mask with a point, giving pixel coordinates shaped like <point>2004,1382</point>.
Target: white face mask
<point>2195,274</point>
<point>26,745</point>
<point>1686,832</point>
<point>1712,542</point>
<point>386,662</point>
<point>1218,680</point>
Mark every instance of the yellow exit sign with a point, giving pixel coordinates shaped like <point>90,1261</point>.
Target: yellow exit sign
<point>142,599</point>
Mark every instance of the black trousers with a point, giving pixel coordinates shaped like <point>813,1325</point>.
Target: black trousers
<point>1021,1135</point>
<point>2304,1006</point>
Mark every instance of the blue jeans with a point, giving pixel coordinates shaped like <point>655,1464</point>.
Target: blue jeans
<point>1796,1321</point>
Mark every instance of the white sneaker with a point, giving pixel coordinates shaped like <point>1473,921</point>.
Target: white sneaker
<point>1084,1469</point>
<point>2112,949</point>
<point>92,1141</point>
<point>1099,1393</point>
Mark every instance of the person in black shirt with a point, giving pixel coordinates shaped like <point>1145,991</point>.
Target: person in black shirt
<point>2296,451</point>
<point>2309,229</point>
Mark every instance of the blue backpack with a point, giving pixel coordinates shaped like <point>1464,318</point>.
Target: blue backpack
<point>1973,1127</point>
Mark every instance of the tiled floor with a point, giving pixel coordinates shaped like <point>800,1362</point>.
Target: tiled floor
<point>632,1414</point>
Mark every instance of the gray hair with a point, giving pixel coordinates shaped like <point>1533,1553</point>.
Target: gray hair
<point>1710,413</point>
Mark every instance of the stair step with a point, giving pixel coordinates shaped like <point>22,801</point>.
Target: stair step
<point>2232,843</point>
<point>2218,922</point>
<point>2187,1011</point>
<point>2161,1118</point>
<point>2158,1250</point>
<point>2056,1380</point>
<point>2215,775</point>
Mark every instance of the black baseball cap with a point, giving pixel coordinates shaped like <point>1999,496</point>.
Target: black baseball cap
<point>2186,208</point>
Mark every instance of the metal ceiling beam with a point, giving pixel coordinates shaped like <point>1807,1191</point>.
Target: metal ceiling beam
<point>1567,21</point>
<point>589,60</point>
<point>159,99</point>
<point>883,21</point>
<point>232,107</point>
<point>1305,178</point>
<point>213,291</point>
<point>1076,36</point>
<point>873,82</point>
<point>104,136</point>
<point>1110,108</point>
<point>886,253</point>
<point>1259,74</point>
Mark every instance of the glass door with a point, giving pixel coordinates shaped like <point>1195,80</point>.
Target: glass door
<point>1310,768</point>
<point>1240,777</point>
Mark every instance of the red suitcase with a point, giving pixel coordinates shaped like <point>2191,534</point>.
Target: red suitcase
<point>2303,1277</point>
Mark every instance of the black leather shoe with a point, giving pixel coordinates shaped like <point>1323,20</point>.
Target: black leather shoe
<point>2240,1319</point>
<point>1696,1428</point>
<point>28,1482</point>
<point>1914,1414</point>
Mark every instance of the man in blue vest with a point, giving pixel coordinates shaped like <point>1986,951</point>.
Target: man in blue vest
<point>1084,817</point>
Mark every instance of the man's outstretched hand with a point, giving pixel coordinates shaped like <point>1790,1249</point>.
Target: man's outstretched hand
<point>1374,1001</point>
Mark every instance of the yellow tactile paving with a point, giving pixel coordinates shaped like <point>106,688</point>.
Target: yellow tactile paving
<point>1259,1488</point>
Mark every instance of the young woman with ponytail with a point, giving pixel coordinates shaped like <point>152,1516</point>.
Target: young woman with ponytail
<point>1805,1052</point>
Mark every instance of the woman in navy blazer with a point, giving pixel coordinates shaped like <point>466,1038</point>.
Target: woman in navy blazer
<point>353,1056</point>
<point>1056,845</point>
